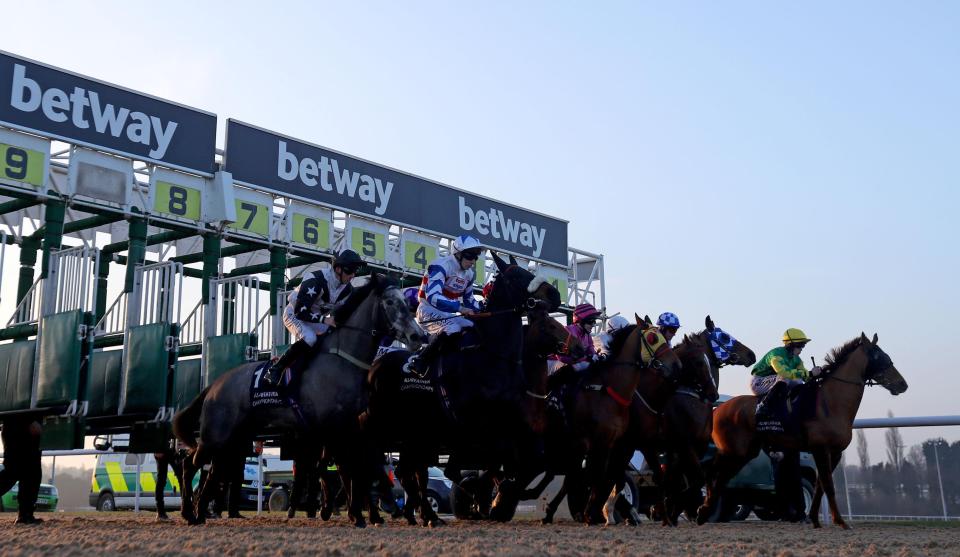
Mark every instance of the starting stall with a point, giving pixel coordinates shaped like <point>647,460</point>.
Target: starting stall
<point>150,262</point>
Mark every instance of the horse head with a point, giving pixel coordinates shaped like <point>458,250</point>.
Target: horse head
<point>545,335</point>
<point>880,368</point>
<point>653,351</point>
<point>698,368</point>
<point>517,288</point>
<point>726,349</point>
<point>390,316</point>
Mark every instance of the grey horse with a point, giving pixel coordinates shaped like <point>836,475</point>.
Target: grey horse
<point>331,395</point>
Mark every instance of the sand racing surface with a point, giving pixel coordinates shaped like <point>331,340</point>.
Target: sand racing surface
<point>98,533</point>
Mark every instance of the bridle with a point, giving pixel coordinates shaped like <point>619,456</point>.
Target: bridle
<point>877,362</point>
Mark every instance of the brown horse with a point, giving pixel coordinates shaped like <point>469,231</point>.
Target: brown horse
<point>687,417</point>
<point>826,433</point>
<point>644,364</point>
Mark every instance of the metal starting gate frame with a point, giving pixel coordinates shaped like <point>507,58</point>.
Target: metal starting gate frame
<point>184,230</point>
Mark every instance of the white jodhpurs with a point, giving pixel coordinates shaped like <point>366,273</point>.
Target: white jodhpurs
<point>435,321</point>
<point>762,385</point>
<point>303,330</point>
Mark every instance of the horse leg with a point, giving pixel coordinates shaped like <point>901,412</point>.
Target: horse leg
<point>725,467</point>
<point>313,487</point>
<point>188,471</point>
<point>554,503</point>
<point>427,514</point>
<point>358,493</point>
<point>301,475</point>
<point>326,509</point>
<point>825,466</point>
<point>600,486</point>
<point>409,483</point>
<point>207,490</point>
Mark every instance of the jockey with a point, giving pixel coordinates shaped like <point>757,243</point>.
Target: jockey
<point>668,323</point>
<point>585,316</point>
<point>773,375</point>
<point>614,324</point>
<point>780,369</point>
<point>446,291</point>
<point>319,293</point>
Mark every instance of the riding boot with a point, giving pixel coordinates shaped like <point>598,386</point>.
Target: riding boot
<point>420,362</point>
<point>769,407</point>
<point>296,351</point>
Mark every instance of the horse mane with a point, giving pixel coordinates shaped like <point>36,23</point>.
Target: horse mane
<point>837,356</point>
<point>619,338</point>
<point>359,294</point>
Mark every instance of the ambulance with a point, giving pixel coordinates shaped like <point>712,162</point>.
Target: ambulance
<point>115,482</point>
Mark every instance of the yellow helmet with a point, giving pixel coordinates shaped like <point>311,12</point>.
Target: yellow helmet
<point>794,336</point>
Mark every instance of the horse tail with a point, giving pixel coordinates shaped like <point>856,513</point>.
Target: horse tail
<point>187,421</point>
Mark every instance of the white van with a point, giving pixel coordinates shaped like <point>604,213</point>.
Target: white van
<point>115,482</point>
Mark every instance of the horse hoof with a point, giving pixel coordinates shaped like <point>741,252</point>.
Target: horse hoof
<point>843,525</point>
<point>360,524</point>
<point>546,520</point>
<point>325,514</point>
<point>376,521</point>
<point>703,514</point>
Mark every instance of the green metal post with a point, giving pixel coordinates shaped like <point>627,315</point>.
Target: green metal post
<point>211,263</point>
<point>28,259</point>
<point>53,231</point>
<point>100,304</point>
<point>278,279</point>
<point>136,252</point>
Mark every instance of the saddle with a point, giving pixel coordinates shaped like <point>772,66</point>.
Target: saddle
<point>263,396</point>
<point>787,414</point>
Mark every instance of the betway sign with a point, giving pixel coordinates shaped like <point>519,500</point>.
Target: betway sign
<point>62,105</point>
<point>265,159</point>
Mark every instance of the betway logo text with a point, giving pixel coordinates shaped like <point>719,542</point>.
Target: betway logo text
<point>58,106</point>
<point>312,173</point>
<point>492,223</point>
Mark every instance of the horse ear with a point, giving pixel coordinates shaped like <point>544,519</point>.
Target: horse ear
<point>640,322</point>
<point>709,323</point>
<point>500,263</point>
<point>647,319</point>
<point>513,260</point>
<point>875,339</point>
<point>863,337</point>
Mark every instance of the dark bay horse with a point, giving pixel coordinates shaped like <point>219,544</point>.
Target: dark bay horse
<point>656,424</point>
<point>543,337</point>
<point>472,403</point>
<point>641,363</point>
<point>331,393</point>
<point>826,432</point>
<point>682,430</point>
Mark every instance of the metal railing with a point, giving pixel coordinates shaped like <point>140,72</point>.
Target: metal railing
<point>114,320</point>
<point>71,282</point>
<point>191,329</point>
<point>157,294</point>
<point>28,310</point>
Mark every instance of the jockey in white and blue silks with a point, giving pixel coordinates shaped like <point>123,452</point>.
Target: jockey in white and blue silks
<point>446,295</point>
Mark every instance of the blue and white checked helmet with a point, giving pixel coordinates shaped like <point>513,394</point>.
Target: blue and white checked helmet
<point>668,319</point>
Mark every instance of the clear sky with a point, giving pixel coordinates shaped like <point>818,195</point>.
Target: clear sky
<point>772,164</point>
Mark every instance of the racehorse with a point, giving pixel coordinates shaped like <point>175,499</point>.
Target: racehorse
<point>471,398</point>
<point>641,363</point>
<point>652,428</point>
<point>825,431</point>
<point>543,336</point>
<point>681,429</point>
<point>330,395</point>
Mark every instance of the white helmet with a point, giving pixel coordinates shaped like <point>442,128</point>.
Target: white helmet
<point>464,243</point>
<point>616,322</point>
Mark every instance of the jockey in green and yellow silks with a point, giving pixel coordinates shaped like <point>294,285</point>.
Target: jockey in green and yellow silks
<point>780,369</point>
